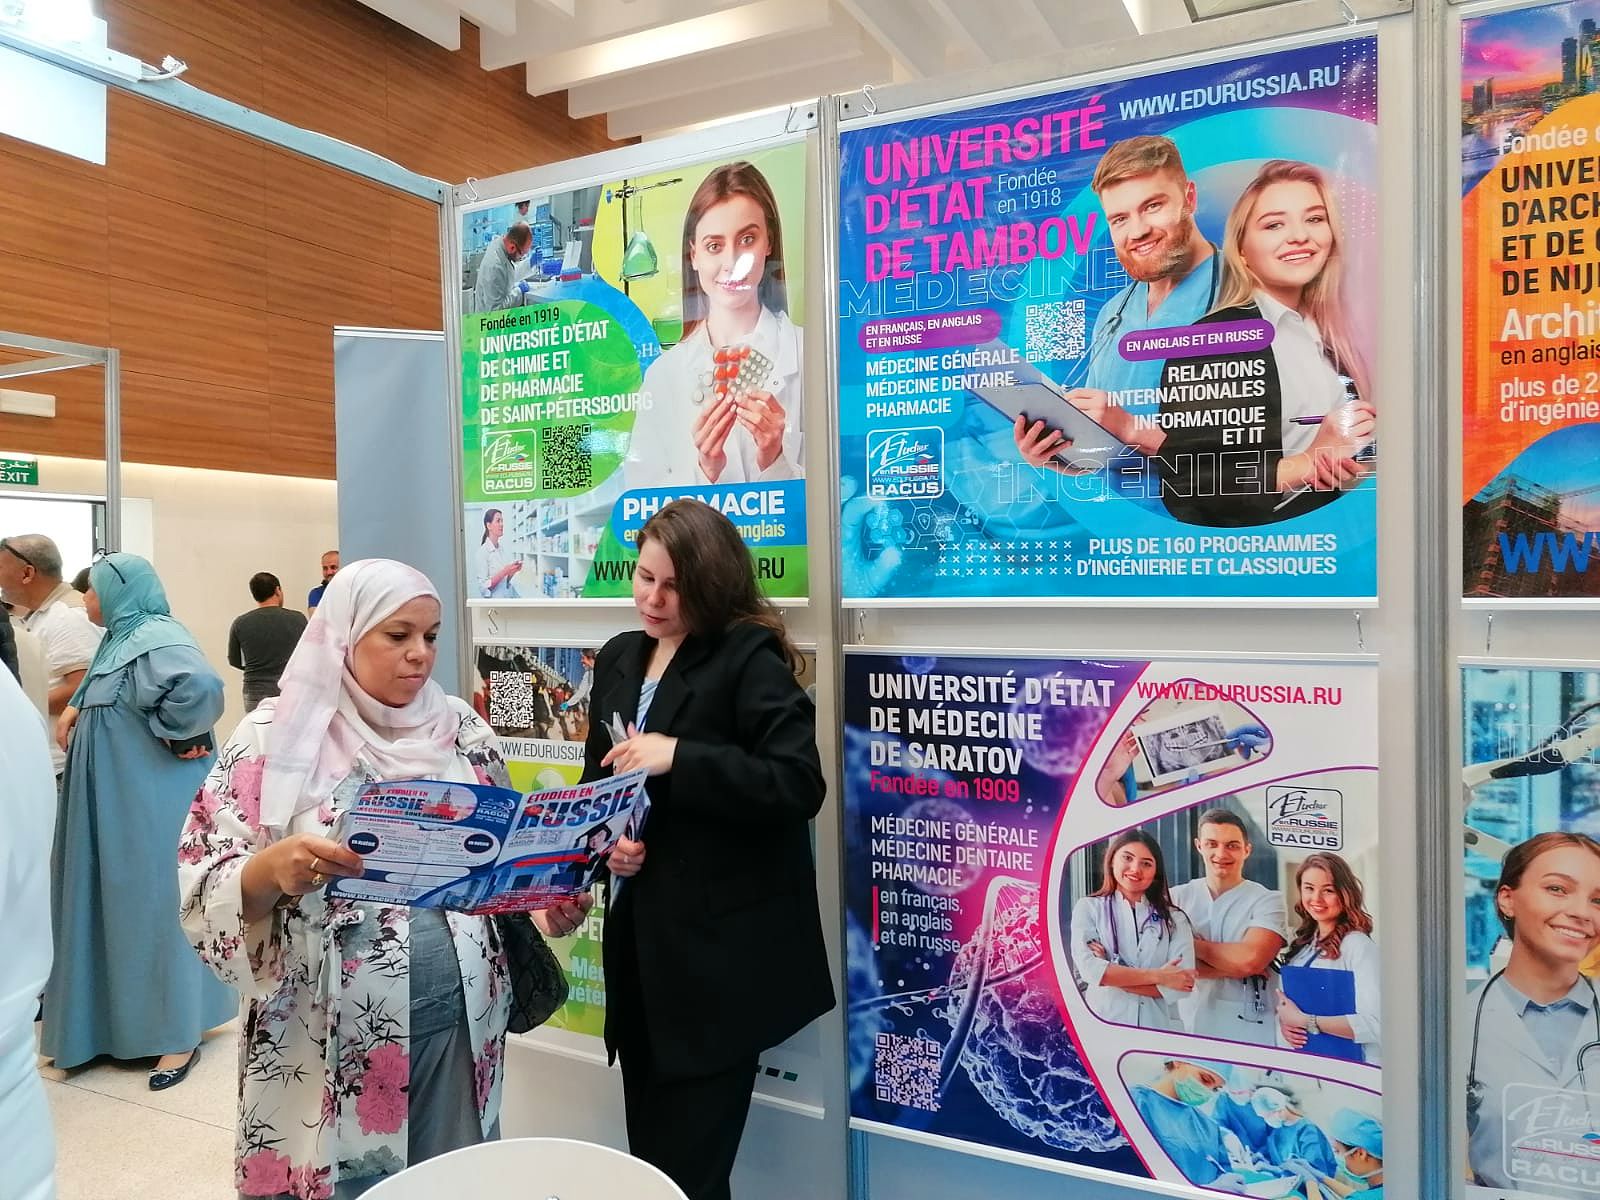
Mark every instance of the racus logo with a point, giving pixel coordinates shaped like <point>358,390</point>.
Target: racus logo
<point>906,463</point>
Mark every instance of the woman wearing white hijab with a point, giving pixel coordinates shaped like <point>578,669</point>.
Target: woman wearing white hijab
<point>375,1032</point>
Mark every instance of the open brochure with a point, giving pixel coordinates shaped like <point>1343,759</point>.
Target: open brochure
<point>430,843</point>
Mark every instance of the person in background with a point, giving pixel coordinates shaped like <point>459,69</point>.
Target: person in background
<point>710,957</point>
<point>1293,1138</point>
<point>80,581</point>
<point>8,646</point>
<point>30,578</point>
<point>27,802</point>
<point>1238,931</point>
<point>496,286</point>
<point>1358,1145</point>
<point>1171,1107</point>
<point>261,640</point>
<point>330,568</point>
<point>1237,1115</point>
<point>138,736</point>
<point>32,672</point>
<point>377,1031</point>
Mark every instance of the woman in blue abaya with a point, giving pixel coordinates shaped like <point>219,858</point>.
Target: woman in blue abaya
<point>125,981</point>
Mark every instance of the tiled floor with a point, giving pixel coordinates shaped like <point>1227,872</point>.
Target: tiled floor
<point>118,1140</point>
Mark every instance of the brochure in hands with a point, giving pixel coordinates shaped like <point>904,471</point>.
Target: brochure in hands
<point>430,843</point>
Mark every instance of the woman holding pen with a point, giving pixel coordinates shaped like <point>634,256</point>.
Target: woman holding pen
<point>713,941</point>
<point>1129,944</point>
<point>1282,264</point>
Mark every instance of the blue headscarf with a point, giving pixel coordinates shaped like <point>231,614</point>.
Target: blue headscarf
<point>134,610</point>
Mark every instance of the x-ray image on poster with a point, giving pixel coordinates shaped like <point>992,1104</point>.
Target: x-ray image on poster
<point>1531,1036</point>
<point>1117,341</point>
<point>1117,914</point>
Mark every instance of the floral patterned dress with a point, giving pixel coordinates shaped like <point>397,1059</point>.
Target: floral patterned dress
<point>325,1053</point>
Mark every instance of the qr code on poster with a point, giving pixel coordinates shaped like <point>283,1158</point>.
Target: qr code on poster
<point>510,699</point>
<point>1055,331</point>
<point>905,1071</point>
<point>565,460</point>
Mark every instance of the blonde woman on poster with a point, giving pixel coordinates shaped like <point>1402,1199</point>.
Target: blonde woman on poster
<point>726,402</point>
<point>1129,944</point>
<point>1536,1023</point>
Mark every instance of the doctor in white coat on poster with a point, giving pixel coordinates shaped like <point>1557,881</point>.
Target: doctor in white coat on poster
<point>1533,1078</point>
<point>1129,944</point>
<point>27,816</point>
<point>727,403</point>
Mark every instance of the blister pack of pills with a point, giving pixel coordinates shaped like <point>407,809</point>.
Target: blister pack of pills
<point>736,372</point>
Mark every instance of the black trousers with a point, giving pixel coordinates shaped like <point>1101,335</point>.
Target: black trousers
<point>689,1128</point>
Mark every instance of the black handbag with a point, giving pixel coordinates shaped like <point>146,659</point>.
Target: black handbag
<point>538,984</point>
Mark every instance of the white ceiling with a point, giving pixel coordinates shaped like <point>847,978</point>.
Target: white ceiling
<point>654,66</point>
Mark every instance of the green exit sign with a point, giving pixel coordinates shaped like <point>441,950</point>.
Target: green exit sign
<point>19,472</point>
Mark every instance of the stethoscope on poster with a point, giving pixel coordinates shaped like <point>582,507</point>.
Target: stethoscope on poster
<point>1108,331</point>
<point>1574,740</point>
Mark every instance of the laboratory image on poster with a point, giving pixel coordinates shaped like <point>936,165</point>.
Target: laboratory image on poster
<point>1117,342</point>
<point>1530,323</point>
<point>1531,1037</point>
<point>623,345</point>
<point>1016,941</point>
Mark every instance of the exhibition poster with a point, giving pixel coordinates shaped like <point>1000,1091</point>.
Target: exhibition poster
<point>1117,342</point>
<point>1531,1017</point>
<point>1117,914</point>
<point>536,698</point>
<point>1530,322</point>
<point>623,345</point>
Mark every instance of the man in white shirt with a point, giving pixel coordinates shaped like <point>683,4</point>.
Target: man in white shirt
<point>27,814</point>
<point>1238,931</point>
<point>30,578</point>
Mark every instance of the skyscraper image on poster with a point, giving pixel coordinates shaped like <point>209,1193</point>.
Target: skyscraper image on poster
<point>1119,341</point>
<point>1530,322</point>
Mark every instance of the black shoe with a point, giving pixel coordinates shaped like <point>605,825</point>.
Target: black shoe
<point>161,1080</point>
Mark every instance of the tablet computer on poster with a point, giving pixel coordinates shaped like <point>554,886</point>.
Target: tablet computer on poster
<point>1034,397</point>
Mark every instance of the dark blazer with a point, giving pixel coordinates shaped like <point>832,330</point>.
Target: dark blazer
<point>1205,482</point>
<point>8,646</point>
<point>724,914</point>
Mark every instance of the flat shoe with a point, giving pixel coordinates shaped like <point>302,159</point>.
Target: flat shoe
<point>161,1080</point>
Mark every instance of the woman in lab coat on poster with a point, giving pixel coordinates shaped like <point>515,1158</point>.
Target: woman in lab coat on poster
<point>496,569</point>
<point>1334,935</point>
<point>735,308</point>
<point>1129,944</point>
<point>1535,1024</point>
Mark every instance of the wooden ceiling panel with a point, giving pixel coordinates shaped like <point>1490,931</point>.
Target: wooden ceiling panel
<point>227,65</point>
<point>308,42</point>
<point>167,333</point>
<point>220,257</point>
<point>50,300</point>
<point>234,25</point>
<point>300,358</point>
<point>56,215</point>
<point>323,205</point>
<point>301,437</point>
<point>312,283</point>
<point>151,148</point>
<point>188,423</point>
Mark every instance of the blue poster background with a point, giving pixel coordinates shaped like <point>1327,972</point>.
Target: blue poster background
<point>936,500</point>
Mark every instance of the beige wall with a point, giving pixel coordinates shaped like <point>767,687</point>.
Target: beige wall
<point>207,532</point>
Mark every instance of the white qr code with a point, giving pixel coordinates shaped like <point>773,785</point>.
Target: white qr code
<point>510,699</point>
<point>905,1071</point>
<point>1055,331</point>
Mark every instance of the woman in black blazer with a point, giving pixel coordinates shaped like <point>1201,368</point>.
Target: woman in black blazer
<point>713,943</point>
